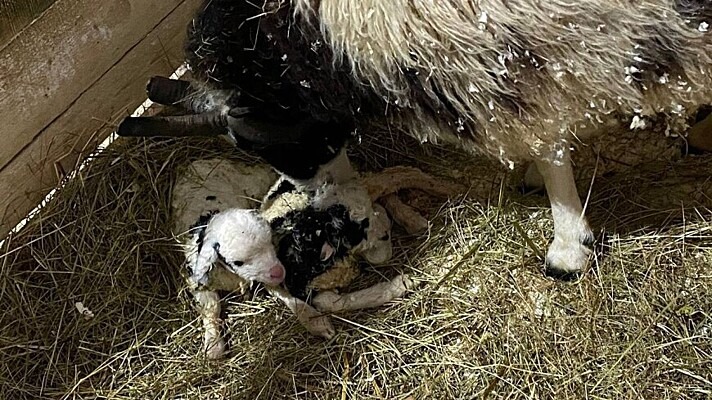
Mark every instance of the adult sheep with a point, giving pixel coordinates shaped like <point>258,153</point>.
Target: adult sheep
<point>517,80</point>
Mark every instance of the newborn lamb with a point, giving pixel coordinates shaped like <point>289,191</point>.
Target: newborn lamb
<point>227,244</point>
<point>332,227</point>
<point>231,244</point>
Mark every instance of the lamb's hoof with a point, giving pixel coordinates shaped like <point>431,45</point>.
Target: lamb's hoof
<point>215,349</point>
<point>403,283</point>
<point>316,323</point>
<point>566,260</point>
<point>320,326</point>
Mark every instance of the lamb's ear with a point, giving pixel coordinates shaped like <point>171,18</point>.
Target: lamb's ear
<point>207,257</point>
<point>327,251</point>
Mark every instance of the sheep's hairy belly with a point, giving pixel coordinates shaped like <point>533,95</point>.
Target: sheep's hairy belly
<point>515,79</point>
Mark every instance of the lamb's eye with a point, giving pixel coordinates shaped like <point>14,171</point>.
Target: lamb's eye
<point>385,237</point>
<point>238,263</point>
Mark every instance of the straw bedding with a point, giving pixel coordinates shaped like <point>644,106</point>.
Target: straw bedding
<point>483,323</point>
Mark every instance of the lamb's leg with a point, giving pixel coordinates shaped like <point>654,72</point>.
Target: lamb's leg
<point>405,215</point>
<point>222,279</point>
<point>208,301</point>
<point>386,183</point>
<point>374,296</point>
<point>209,308</point>
<point>314,321</point>
<point>569,252</point>
<point>393,179</point>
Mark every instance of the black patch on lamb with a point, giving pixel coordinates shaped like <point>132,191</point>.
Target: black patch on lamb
<point>301,235</point>
<point>198,229</point>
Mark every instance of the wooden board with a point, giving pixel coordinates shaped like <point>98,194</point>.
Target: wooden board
<point>105,80</point>
<point>17,14</point>
<point>56,59</point>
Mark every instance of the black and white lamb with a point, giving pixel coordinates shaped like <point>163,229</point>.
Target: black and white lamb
<point>519,80</point>
<point>318,240</point>
<point>227,243</point>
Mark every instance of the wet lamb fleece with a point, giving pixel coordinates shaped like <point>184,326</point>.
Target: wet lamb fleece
<point>312,241</point>
<point>309,241</point>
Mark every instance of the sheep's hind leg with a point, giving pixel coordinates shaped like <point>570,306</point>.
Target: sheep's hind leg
<point>568,254</point>
<point>209,307</point>
<point>374,296</point>
<point>532,178</point>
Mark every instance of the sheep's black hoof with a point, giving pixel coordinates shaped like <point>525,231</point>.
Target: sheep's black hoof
<point>562,275</point>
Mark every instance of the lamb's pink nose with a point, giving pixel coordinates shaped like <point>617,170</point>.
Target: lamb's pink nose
<point>276,273</point>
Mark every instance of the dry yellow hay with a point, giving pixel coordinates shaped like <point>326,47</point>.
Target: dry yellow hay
<point>483,323</point>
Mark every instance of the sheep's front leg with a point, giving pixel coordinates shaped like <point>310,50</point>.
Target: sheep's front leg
<point>209,308</point>
<point>315,322</point>
<point>374,296</point>
<point>569,252</point>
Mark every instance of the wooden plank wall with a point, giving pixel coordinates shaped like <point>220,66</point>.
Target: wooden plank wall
<point>67,80</point>
<point>17,14</point>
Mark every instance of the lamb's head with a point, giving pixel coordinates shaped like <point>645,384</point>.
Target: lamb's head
<point>376,247</point>
<point>242,241</point>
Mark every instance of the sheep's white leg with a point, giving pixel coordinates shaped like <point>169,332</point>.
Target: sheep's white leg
<point>374,296</point>
<point>209,307</point>
<point>315,322</point>
<point>569,252</point>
